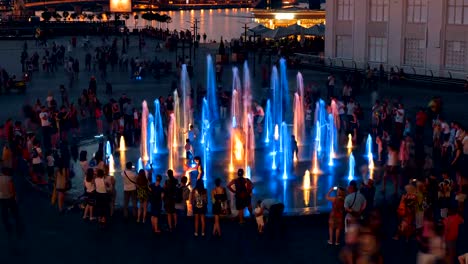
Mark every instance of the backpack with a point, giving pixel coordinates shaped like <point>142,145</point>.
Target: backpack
<point>241,188</point>
<point>199,203</point>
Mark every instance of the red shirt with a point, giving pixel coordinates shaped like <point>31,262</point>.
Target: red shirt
<point>451,224</point>
<point>421,119</point>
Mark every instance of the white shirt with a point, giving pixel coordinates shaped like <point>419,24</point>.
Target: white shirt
<point>400,115</point>
<point>129,180</point>
<point>44,116</point>
<point>37,160</point>
<point>445,128</point>
<point>341,107</point>
<point>355,204</point>
<point>50,161</point>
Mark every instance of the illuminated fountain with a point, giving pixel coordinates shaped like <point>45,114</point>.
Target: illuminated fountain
<point>331,139</point>
<point>276,142</point>
<point>351,167</point>
<point>172,142</point>
<point>321,124</point>
<point>248,123</point>
<point>108,149</point>
<point>298,109</point>
<point>349,146</point>
<point>122,146</point>
<point>268,123</point>
<point>179,124</point>
<point>187,116</point>
<point>306,187</point>
<point>151,136</point>
<point>111,164</point>
<point>287,158</point>
<point>370,156</point>
<point>144,132</point>
<point>158,128</point>
<point>206,136</point>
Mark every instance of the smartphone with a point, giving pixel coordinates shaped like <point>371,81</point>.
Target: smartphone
<point>133,167</point>
<point>414,180</point>
<point>335,188</point>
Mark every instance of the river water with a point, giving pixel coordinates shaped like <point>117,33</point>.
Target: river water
<point>216,23</point>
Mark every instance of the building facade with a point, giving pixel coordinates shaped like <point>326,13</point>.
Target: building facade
<point>428,37</point>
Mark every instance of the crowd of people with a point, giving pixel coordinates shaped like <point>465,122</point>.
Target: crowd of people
<point>427,170</point>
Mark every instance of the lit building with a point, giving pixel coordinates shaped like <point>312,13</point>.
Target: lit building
<point>421,36</point>
<point>289,16</point>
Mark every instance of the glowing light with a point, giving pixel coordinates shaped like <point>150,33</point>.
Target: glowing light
<point>248,172</point>
<point>350,142</point>
<point>315,166</point>
<point>351,165</point>
<point>306,181</point>
<point>144,132</point>
<point>111,164</point>
<point>276,134</point>
<point>120,6</point>
<point>122,146</point>
<point>284,16</point>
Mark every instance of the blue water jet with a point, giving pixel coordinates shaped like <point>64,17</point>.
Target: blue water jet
<point>206,137</point>
<point>151,137</point>
<point>369,146</point>
<point>158,129</point>
<point>287,150</point>
<point>284,88</point>
<point>268,122</point>
<point>351,165</point>
<point>108,150</point>
<point>211,89</point>
<point>331,139</point>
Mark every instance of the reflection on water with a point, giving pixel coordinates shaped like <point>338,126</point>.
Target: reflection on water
<point>226,23</point>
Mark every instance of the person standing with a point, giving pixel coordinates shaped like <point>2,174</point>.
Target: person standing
<point>156,196</point>
<point>219,198</point>
<point>130,193</point>
<point>354,205</point>
<point>170,199</point>
<point>335,221</point>
<point>242,189</point>
<point>61,180</point>
<point>331,85</point>
<point>143,192</point>
<point>8,204</point>
<point>102,198</point>
<point>199,201</point>
<point>45,125</point>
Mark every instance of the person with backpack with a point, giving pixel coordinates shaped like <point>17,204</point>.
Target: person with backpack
<point>199,200</point>
<point>182,196</point>
<point>130,189</point>
<point>242,189</point>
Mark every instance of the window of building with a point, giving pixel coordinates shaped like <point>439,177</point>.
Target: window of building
<point>345,9</point>
<point>415,52</point>
<point>379,10</point>
<point>417,11</point>
<point>457,12</point>
<point>455,55</point>
<point>377,49</point>
<point>344,46</point>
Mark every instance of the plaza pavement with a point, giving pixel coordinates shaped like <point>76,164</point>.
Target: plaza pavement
<point>52,238</point>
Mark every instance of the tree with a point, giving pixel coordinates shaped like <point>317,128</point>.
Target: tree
<point>56,16</point>
<point>90,17</point>
<point>74,16</point>
<point>46,15</point>
<point>99,16</point>
<point>166,19</point>
<point>126,16</point>
<point>65,15</point>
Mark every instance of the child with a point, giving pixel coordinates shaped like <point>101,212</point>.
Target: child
<point>259,216</point>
